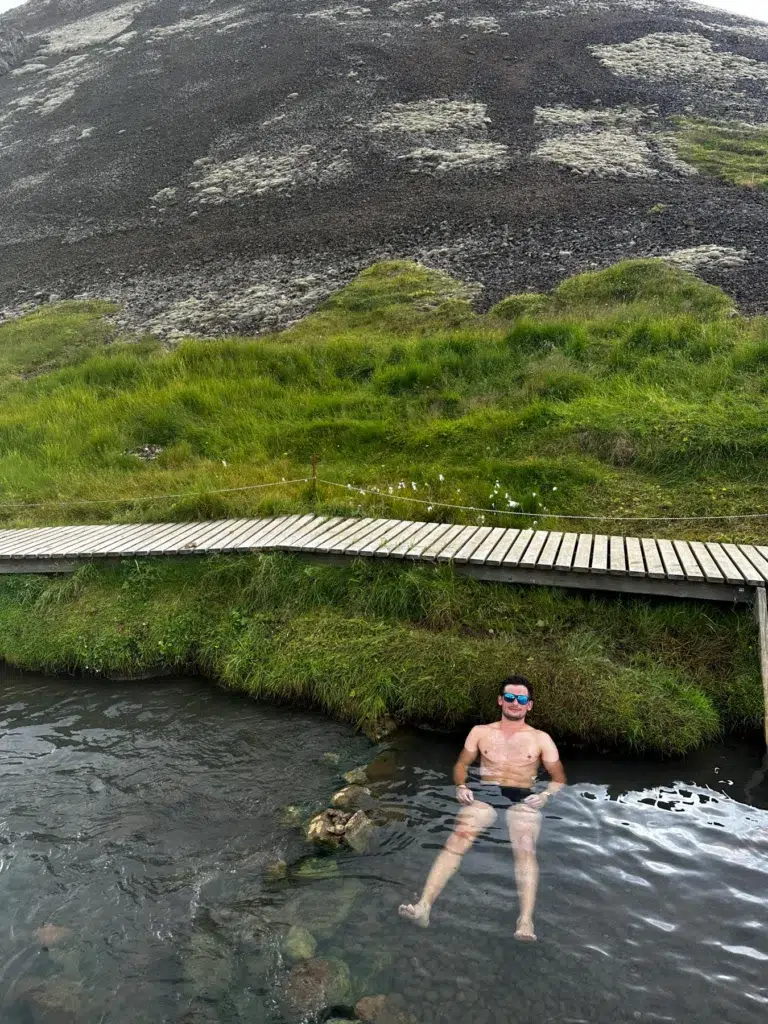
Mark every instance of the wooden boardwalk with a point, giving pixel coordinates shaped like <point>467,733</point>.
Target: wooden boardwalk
<point>639,565</point>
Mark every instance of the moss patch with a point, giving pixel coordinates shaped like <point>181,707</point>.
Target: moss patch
<point>734,151</point>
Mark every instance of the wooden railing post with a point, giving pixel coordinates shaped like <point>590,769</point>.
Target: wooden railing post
<point>761,611</point>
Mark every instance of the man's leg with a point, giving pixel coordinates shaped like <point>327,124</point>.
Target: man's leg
<point>524,825</point>
<point>471,821</point>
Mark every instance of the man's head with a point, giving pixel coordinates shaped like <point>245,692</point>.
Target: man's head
<point>511,690</point>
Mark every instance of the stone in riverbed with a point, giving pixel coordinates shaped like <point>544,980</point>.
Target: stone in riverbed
<point>381,1010</point>
<point>381,729</point>
<point>314,985</point>
<point>299,943</point>
<point>352,798</point>
<point>324,906</point>
<point>383,767</point>
<point>357,776</point>
<point>327,828</point>
<point>359,832</point>
<point>317,867</point>
<point>291,816</point>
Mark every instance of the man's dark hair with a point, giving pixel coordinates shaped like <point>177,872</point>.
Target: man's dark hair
<point>516,681</point>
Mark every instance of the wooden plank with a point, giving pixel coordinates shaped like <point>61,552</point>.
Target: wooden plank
<point>420,538</point>
<point>342,534</point>
<point>27,541</point>
<point>724,564</point>
<point>293,525</point>
<point>481,553</point>
<point>421,544</point>
<point>102,546</point>
<point>327,535</point>
<point>743,564</point>
<point>88,544</point>
<point>635,560</point>
<point>761,610</point>
<point>396,534</point>
<point>617,558</point>
<point>501,548</point>
<point>253,540</point>
<point>669,559</point>
<point>566,552</point>
<point>369,535</point>
<point>549,551</point>
<point>430,553</point>
<point>653,561</point>
<point>583,556</point>
<point>534,548</point>
<point>239,528</point>
<point>458,542</point>
<point>191,544</point>
<point>691,567</point>
<point>121,543</point>
<point>708,566</point>
<point>295,534</point>
<point>169,543</point>
<point>516,552</point>
<point>760,563</point>
<point>473,546</point>
<point>224,530</point>
<point>599,563</point>
<point>66,538</point>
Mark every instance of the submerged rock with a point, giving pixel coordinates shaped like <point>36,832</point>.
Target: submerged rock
<point>299,943</point>
<point>291,816</point>
<point>352,798</point>
<point>383,767</point>
<point>317,867</point>
<point>359,832</point>
<point>52,1000</point>
<point>276,870</point>
<point>207,966</point>
<point>381,1010</point>
<point>316,984</point>
<point>357,776</point>
<point>323,907</point>
<point>50,934</point>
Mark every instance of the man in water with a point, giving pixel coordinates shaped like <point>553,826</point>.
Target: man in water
<point>510,753</point>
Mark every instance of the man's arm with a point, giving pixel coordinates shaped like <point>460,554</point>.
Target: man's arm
<point>466,757</point>
<point>551,760</point>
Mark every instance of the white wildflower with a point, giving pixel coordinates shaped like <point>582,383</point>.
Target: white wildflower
<point>413,485</point>
<point>223,462</point>
<point>429,508</point>
<point>440,477</point>
<point>391,490</point>
<point>554,488</point>
<point>533,494</point>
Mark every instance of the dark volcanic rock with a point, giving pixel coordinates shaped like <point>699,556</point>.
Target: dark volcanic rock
<point>221,165</point>
<point>13,47</point>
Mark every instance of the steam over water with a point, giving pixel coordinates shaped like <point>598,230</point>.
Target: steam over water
<point>138,821</point>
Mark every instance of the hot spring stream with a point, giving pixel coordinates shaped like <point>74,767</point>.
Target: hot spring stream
<point>139,823</point>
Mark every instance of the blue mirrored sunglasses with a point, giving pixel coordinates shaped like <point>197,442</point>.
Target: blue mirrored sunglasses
<point>521,698</point>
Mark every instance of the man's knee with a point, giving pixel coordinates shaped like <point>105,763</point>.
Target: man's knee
<point>460,841</point>
<point>525,844</point>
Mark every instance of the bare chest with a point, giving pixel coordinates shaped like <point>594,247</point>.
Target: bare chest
<point>513,750</point>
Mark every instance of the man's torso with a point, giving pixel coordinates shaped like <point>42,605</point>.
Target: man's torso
<point>510,760</point>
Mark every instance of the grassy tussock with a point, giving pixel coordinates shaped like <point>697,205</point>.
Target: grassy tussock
<point>417,643</point>
<point>734,151</point>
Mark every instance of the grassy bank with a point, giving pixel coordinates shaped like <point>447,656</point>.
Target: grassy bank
<point>422,645</point>
<point>635,391</point>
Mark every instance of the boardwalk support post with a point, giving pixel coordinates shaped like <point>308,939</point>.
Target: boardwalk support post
<point>761,610</point>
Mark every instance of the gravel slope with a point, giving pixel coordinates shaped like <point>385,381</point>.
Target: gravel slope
<point>221,166</point>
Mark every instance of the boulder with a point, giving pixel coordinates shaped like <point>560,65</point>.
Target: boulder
<point>316,867</point>
<point>359,832</point>
<point>314,985</point>
<point>383,767</point>
<point>324,906</point>
<point>276,870</point>
<point>381,1010</point>
<point>357,776</point>
<point>352,798</point>
<point>299,943</point>
<point>327,828</point>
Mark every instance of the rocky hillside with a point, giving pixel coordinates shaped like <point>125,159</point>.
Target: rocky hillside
<point>221,166</point>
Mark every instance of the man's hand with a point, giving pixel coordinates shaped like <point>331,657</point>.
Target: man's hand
<point>536,800</point>
<point>464,795</point>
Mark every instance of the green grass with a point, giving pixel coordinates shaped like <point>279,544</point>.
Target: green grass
<point>421,644</point>
<point>734,151</point>
<point>634,391</point>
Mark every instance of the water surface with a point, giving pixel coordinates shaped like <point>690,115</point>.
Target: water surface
<point>142,817</point>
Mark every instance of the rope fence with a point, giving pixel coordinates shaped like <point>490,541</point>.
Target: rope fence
<point>384,494</point>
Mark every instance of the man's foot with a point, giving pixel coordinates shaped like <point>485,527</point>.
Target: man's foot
<point>416,912</point>
<point>524,931</point>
